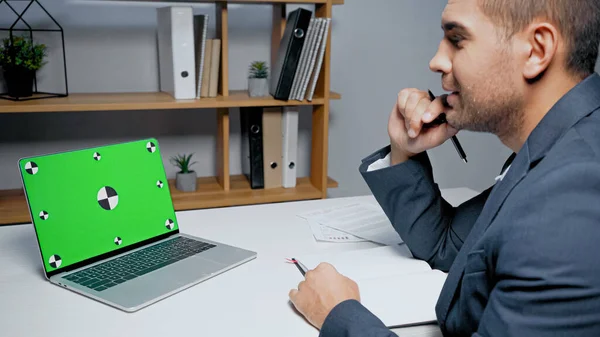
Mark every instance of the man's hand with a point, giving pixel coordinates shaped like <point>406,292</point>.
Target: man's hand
<point>414,108</point>
<point>322,289</point>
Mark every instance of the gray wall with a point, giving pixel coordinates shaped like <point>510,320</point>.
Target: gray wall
<point>112,49</point>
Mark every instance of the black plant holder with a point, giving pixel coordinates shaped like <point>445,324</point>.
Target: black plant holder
<point>36,94</point>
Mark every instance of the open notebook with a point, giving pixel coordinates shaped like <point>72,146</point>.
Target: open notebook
<point>399,289</point>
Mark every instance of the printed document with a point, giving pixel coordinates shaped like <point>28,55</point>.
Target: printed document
<point>328,234</point>
<point>362,220</point>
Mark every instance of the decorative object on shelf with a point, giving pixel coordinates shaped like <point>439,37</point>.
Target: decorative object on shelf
<point>258,83</point>
<point>21,57</point>
<point>186,178</point>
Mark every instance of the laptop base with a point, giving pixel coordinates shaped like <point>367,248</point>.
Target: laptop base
<point>141,291</point>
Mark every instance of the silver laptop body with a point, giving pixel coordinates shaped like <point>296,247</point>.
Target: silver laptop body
<point>142,288</point>
<point>128,276</point>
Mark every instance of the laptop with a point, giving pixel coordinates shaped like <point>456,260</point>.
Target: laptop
<point>107,229</point>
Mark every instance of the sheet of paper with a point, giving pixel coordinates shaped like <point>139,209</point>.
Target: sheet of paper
<point>328,234</point>
<point>363,220</point>
<point>399,300</point>
<point>369,263</point>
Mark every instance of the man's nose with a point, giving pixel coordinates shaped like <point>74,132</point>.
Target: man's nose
<point>441,62</point>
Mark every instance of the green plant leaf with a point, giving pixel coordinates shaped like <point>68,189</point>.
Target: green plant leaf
<point>22,52</point>
<point>258,69</point>
<point>183,162</point>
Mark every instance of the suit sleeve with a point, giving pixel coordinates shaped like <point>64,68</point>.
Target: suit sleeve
<point>547,261</point>
<point>433,230</point>
<point>351,319</point>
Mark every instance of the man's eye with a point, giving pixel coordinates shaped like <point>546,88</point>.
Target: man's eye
<point>455,39</point>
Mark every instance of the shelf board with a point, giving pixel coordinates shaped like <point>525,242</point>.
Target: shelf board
<point>13,207</point>
<point>14,210</point>
<point>145,101</point>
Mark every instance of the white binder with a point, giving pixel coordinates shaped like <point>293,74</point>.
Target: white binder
<point>289,127</point>
<point>176,51</point>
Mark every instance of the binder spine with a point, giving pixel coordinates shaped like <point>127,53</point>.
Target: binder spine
<point>184,53</point>
<point>251,124</point>
<point>289,53</point>
<point>177,51</point>
<point>289,135</point>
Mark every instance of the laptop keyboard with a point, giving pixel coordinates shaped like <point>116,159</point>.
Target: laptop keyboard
<point>108,274</point>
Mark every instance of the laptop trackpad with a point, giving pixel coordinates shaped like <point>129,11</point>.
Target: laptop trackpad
<point>163,281</point>
<point>192,268</point>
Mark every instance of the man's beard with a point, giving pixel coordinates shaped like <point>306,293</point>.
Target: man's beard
<point>496,107</point>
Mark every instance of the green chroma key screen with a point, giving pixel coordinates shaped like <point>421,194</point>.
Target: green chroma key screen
<point>88,202</point>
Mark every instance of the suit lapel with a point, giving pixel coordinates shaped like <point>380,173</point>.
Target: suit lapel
<point>515,174</point>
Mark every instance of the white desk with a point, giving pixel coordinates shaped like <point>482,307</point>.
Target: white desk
<point>250,300</point>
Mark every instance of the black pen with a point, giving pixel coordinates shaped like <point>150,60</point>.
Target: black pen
<point>298,265</point>
<point>442,119</point>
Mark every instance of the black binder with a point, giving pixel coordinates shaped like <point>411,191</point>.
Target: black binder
<point>288,56</point>
<point>252,146</point>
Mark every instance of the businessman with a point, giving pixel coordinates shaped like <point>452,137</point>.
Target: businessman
<point>523,257</point>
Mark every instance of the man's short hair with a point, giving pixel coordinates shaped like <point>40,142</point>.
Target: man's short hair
<point>578,21</point>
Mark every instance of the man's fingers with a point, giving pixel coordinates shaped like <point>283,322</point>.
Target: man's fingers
<point>293,294</point>
<point>324,265</point>
<point>301,285</point>
<point>435,108</point>
<point>411,111</point>
<point>403,97</point>
<point>440,134</point>
<point>403,100</point>
<point>417,116</point>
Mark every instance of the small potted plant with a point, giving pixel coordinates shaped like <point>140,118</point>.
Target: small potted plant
<point>186,178</point>
<point>258,85</point>
<point>20,58</point>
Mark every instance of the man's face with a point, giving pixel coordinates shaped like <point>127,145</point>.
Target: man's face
<point>481,70</point>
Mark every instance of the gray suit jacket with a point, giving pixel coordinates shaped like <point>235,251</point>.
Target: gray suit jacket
<point>523,257</point>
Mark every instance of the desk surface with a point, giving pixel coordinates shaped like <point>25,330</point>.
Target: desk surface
<point>250,300</point>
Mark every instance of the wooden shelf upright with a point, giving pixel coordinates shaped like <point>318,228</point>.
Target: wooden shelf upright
<point>223,189</point>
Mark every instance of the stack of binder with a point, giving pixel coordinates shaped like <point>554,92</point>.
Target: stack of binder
<point>300,56</point>
<point>189,61</point>
<point>269,146</point>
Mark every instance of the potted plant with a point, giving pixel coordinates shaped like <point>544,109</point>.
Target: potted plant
<point>20,58</point>
<point>186,178</point>
<point>258,85</point>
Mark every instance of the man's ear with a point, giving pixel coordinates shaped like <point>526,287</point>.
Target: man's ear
<point>542,46</point>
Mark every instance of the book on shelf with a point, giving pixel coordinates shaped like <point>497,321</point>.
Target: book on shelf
<point>189,60</point>
<point>215,62</point>
<point>200,30</point>
<point>310,34</point>
<point>300,56</point>
<point>316,71</point>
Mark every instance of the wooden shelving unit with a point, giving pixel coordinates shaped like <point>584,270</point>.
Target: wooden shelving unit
<point>146,101</point>
<point>224,189</point>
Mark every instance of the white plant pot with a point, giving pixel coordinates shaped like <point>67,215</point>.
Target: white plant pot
<point>186,182</point>
<point>258,87</point>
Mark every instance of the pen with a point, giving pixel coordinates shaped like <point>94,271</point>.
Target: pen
<point>298,266</point>
<point>441,120</point>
